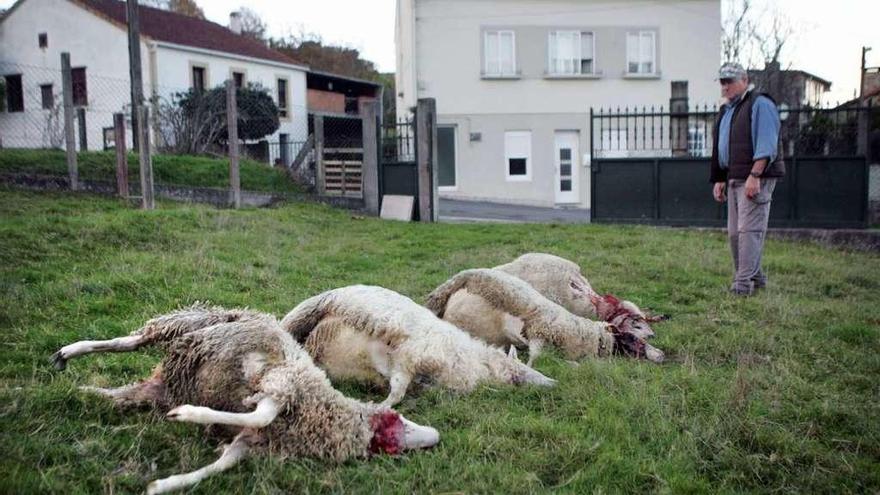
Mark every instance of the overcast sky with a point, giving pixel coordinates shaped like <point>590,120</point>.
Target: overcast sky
<point>828,43</point>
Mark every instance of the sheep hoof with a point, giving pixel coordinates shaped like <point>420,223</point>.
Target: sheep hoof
<point>58,360</point>
<point>183,413</point>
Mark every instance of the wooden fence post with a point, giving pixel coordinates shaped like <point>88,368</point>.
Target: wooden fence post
<point>69,138</point>
<point>370,163</point>
<point>232,141</point>
<point>143,120</point>
<point>319,154</point>
<point>121,155</point>
<point>426,158</point>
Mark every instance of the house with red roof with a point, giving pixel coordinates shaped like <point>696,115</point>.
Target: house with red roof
<point>177,53</point>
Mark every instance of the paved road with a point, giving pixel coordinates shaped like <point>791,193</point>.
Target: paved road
<point>479,211</point>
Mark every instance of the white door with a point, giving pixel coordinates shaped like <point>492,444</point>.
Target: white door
<point>567,166</point>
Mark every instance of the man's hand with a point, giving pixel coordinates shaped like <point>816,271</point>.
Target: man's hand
<point>719,191</point>
<point>753,186</point>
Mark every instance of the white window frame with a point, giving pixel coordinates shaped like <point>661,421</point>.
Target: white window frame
<point>696,142</point>
<point>508,154</point>
<point>639,35</point>
<point>452,188</point>
<point>552,40</point>
<point>284,113</point>
<point>501,73</point>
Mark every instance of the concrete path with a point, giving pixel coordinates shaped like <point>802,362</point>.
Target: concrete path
<point>479,211</point>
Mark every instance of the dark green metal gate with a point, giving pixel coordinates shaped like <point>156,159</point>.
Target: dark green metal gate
<point>826,185</point>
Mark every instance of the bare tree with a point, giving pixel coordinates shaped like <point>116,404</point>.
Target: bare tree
<point>252,25</point>
<point>737,26</point>
<point>755,37</point>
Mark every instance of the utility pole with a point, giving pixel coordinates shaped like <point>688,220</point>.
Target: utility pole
<point>865,50</point>
<point>863,117</point>
<point>134,67</point>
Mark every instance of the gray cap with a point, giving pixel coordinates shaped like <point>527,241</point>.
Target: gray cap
<point>731,70</point>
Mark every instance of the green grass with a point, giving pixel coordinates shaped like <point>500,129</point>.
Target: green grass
<point>777,393</point>
<point>178,170</point>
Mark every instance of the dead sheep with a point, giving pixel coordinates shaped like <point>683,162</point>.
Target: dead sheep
<point>561,281</point>
<point>374,334</point>
<point>251,376</point>
<point>508,311</point>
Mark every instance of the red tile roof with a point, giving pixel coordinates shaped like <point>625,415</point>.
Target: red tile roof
<point>162,25</point>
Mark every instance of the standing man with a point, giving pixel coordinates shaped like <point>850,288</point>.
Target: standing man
<point>745,166</point>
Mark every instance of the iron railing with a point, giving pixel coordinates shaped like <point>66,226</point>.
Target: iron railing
<point>654,132</point>
<point>399,141</point>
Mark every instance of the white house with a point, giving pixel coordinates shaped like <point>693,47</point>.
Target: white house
<point>177,53</point>
<point>514,82</point>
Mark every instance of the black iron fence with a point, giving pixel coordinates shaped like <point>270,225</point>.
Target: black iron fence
<point>655,132</point>
<point>399,141</point>
<point>652,166</point>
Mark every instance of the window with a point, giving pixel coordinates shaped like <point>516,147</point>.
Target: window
<point>571,52</point>
<point>80,91</point>
<point>282,98</point>
<point>500,53</point>
<point>697,142</point>
<point>640,53</point>
<point>43,40</point>
<point>518,155</point>
<point>446,157</point>
<point>199,81</point>
<point>47,96</point>
<point>14,93</point>
<point>238,78</point>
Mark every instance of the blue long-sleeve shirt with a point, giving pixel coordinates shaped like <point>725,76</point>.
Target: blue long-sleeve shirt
<point>765,130</point>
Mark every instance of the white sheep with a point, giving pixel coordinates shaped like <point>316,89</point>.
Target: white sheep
<point>220,372</point>
<point>375,334</point>
<point>561,281</point>
<point>509,311</point>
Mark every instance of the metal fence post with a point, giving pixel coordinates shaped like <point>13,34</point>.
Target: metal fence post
<point>121,155</point>
<point>69,138</point>
<point>146,165</point>
<point>319,154</point>
<point>232,141</point>
<point>370,170</point>
<point>426,158</point>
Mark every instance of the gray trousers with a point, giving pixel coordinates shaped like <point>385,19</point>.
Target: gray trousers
<point>746,229</point>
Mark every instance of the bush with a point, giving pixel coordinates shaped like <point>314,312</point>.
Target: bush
<point>195,121</point>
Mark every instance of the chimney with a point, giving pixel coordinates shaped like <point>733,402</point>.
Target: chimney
<point>235,22</point>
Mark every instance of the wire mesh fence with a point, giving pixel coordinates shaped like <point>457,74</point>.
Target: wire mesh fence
<point>183,121</point>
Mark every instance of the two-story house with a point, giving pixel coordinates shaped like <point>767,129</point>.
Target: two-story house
<point>177,53</point>
<point>514,82</point>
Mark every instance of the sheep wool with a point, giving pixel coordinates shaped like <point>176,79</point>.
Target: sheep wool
<point>375,334</point>
<point>537,320</point>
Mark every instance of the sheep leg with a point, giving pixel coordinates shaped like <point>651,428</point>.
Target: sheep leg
<point>535,347</point>
<point>267,410</point>
<point>232,454</point>
<point>147,392</point>
<point>398,383</point>
<point>119,344</point>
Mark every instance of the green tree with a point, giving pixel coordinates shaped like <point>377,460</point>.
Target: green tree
<point>195,121</point>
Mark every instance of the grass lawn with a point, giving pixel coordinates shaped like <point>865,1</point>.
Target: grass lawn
<point>195,171</point>
<point>777,393</point>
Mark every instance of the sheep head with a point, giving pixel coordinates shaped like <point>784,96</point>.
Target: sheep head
<point>628,343</point>
<point>625,315</point>
<point>392,434</point>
